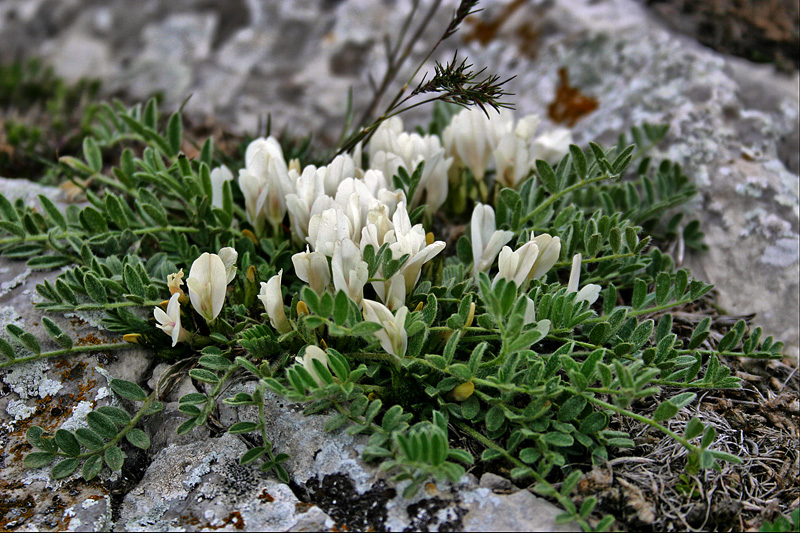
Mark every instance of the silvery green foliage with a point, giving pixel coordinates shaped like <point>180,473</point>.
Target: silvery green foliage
<point>403,338</point>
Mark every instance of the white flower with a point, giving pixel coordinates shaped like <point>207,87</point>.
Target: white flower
<point>472,136</point>
<point>549,250</point>
<point>527,126</point>
<point>308,186</point>
<point>272,299</point>
<point>327,227</point>
<point>590,292</point>
<point>350,271</point>
<point>516,266</point>
<point>392,292</point>
<point>342,167</point>
<point>530,312</point>
<point>254,189</point>
<point>312,267</point>
<point>390,148</point>
<point>513,155</point>
<point>552,145</point>
<point>312,353</point>
<point>393,336</point>
<point>265,164</point>
<point>486,241</point>
<point>229,257</point>
<point>411,240</point>
<point>207,284</point>
<point>219,176</point>
<point>512,161</point>
<point>170,322</point>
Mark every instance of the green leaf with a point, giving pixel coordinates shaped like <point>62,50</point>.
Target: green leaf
<point>215,362</point>
<point>547,175</point>
<point>639,293</point>
<point>709,434</point>
<point>38,459</point>
<point>244,427</point>
<point>693,428</point>
<point>12,228</point>
<point>665,411</point>
<point>128,390</point>
<point>571,408</point>
<point>138,438</point>
<point>64,468</point>
<point>93,221</point>
<point>494,418</point>
<point>67,442</point>
<point>556,438</point>
<point>174,133</point>
<point>89,439</point>
<point>205,376</point>
<point>700,333</point>
<point>186,427</point>
<point>335,422</point>
<point>92,467</point>
<point>595,422</point>
<point>578,161</point>
<point>117,415</point>
<point>341,308</point>
<point>94,288</point>
<point>6,349</point>
<point>642,334</point>
<point>252,454</point>
<point>365,328</point>
<point>48,262</point>
<point>529,455</point>
<point>52,212</point>
<point>91,152</point>
<point>24,338</point>
<point>101,424</point>
<point>114,458</point>
<point>55,333</point>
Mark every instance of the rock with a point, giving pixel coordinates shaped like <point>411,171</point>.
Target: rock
<point>52,393</point>
<point>328,468</point>
<point>201,485</point>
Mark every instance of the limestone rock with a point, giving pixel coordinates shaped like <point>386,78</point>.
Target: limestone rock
<point>200,485</point>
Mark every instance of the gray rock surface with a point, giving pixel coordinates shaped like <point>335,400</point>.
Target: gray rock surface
<point>328,467</point>
<point>52,393</point>
<point>201,486</point>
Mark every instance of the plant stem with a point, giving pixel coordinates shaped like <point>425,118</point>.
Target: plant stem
<point>66,351</point>
<point>544,205</point>
<point>82,235</point>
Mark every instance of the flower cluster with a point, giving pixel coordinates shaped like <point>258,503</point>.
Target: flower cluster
<point>473,139</point>
<point>337,211</point>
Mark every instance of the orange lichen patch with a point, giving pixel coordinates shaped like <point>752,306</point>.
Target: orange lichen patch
<point>570,105</point>
<point>484,32</point>
<point>524,31</point>
<point>266,497</point>
<point>15,512</point>
<point>302,507</point>
<point>234,519</point>
<point>189,519</point>
<point>77,322</point>
<point>90,340</point>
